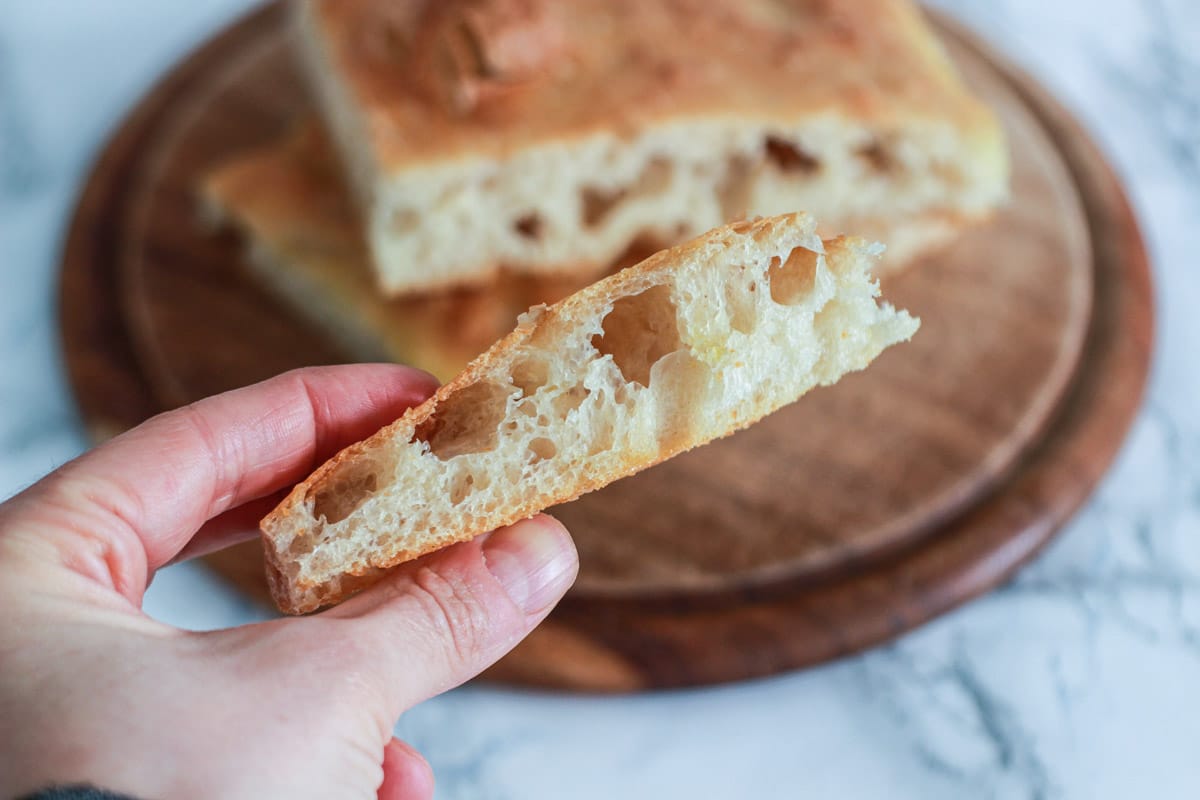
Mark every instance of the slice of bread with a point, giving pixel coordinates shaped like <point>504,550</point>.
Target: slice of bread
<point>546,135</point>
<point>692,344</point>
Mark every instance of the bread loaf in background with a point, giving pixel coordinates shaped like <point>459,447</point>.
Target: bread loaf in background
<point>544,136</point>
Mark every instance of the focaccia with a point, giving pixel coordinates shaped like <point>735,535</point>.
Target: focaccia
<point>690,345</point>
<point>545,136</point>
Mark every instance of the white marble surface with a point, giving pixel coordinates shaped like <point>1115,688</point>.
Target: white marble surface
<point>1081,679</point>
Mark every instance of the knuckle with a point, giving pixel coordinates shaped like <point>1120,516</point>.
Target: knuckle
<point>454,612</point>
<point>198,432</point>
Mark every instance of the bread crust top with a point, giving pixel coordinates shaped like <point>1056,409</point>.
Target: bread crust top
<point>440,80</point>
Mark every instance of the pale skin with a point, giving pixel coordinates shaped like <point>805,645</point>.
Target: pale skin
<point>92,690</point>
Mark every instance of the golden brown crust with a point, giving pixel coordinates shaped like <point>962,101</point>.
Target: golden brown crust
<point>445,79</point>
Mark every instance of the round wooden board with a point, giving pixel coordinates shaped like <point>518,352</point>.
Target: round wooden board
<point>856,514</point>
<point>815,487</point>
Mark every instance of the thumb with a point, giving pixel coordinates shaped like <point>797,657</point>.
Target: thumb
<point>444,619</point>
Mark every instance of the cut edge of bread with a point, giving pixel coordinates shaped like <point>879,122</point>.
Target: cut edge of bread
<point>694,343</point>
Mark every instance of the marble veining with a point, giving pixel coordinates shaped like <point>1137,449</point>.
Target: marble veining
<point>1079,679</point>
<point>20,165</point>
<point>1168,87</point>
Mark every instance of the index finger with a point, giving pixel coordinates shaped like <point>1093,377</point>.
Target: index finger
<point>141,496</point>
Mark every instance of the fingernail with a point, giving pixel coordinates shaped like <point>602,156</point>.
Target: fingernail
<point>534,560</point>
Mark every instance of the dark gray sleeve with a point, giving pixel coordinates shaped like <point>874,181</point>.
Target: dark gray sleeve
<point>75,792</point>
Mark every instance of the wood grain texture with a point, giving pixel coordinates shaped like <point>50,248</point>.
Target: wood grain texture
<point>860,512</point>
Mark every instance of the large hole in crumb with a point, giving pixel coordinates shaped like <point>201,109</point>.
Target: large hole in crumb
<point>461,487</point>
<point>733,192</point>
<point>467,421</point>
<point>530,373</point>
<point>654,178</point>
<point>568,401</point>
<point>876,157</point>
<point>530,226</point>
<point>602,438</point>
<point>793,280</point>
<point>598,204</point>
<point>343,491</point>
<point>789,157</point>
<point>639,331</point>
<point>541,449</point>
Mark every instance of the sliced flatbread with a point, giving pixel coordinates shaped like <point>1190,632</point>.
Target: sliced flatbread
<point>688,346</point>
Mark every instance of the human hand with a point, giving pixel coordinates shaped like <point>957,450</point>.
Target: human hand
<point>94,691</point>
